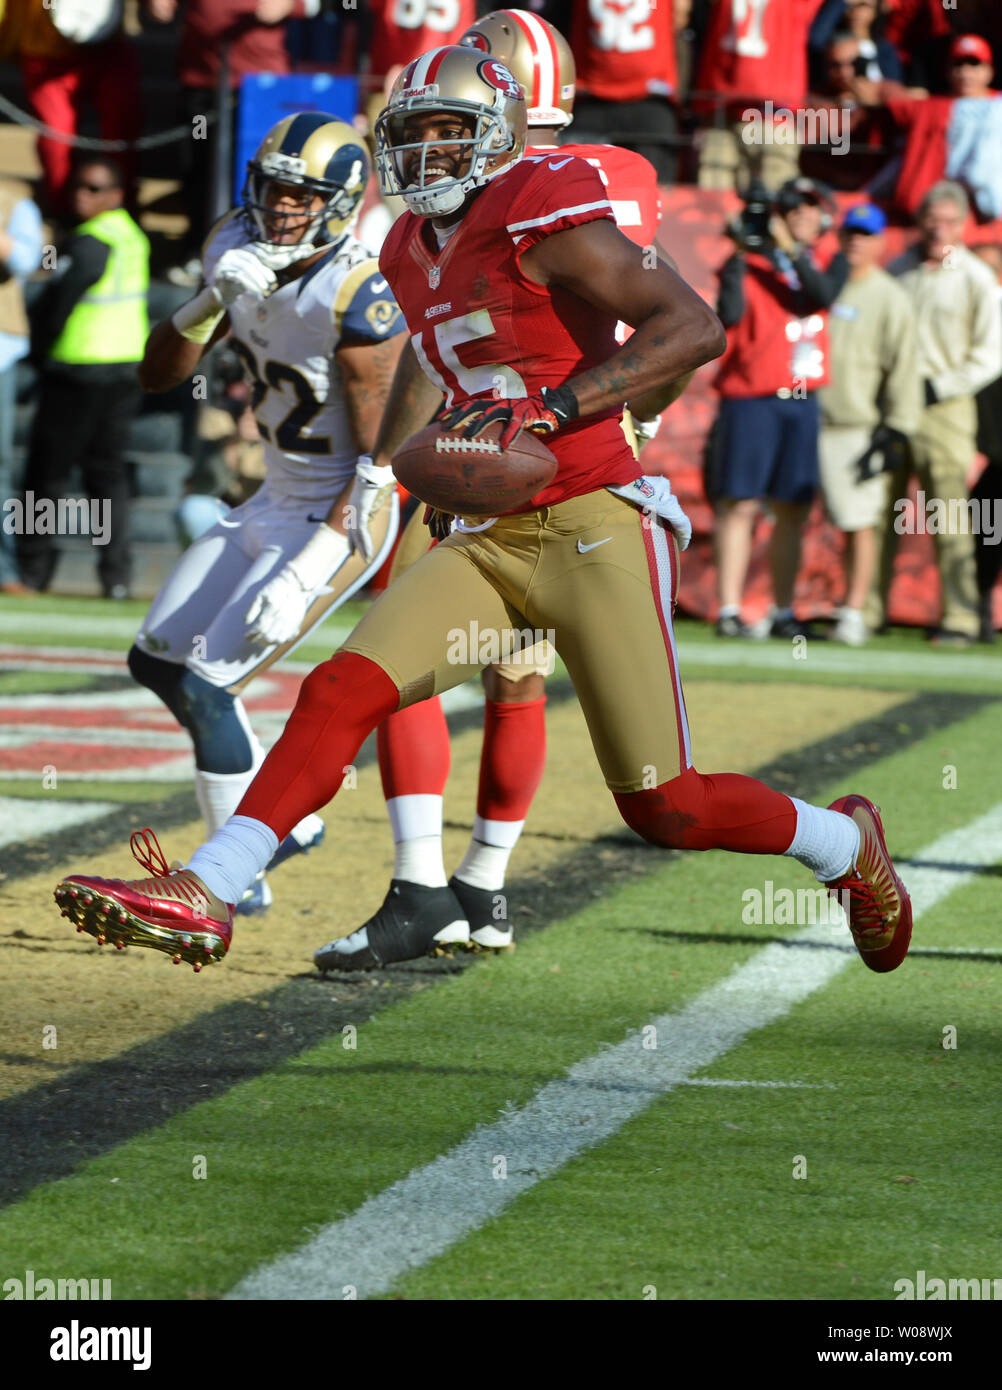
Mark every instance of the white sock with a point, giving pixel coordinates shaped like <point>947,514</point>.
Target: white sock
<point>230,862</point>
<point>309,826</point>
<point>728,610</point>
<point>416,822</point>
<point>825,841</point>
<point>220,793</point>
<point>486,860</point>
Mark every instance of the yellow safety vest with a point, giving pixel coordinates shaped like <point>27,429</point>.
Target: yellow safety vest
<point>110,322</point>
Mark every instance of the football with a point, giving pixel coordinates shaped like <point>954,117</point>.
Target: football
<point>473,477</point>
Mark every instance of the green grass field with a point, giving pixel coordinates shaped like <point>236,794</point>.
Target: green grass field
<point>829,1151</point>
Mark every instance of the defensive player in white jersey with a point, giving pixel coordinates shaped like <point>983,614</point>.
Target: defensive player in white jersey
<point>319,334</point>
<point>421,906</point>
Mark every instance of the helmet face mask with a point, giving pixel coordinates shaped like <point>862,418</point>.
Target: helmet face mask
<point>319,166</point>
<point>473,93</point>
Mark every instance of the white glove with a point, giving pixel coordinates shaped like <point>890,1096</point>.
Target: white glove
<point>373,484</point>
<point>239,271</point>
<point>277,613</point>
<point>645,430</point>
<point>85,21</point>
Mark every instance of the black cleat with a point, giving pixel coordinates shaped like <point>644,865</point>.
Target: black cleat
<point>487,913</point>
<point>413,921</point>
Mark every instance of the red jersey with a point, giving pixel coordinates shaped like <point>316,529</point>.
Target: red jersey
<point>756,50</point>
<point>625,49</point>
<point>404,29</point>
<point>479,326</point>
<point>776,346</point>
<point>631,186</point>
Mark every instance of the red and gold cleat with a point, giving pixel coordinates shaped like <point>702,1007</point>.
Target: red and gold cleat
<point>879,908</point>
<point>172,912</point>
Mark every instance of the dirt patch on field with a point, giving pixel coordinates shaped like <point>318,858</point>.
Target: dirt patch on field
<point>101,1002</point>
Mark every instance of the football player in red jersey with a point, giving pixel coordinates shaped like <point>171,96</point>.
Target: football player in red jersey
<point>413,744</point>
<point>526,274</point>
<point>628,74</point>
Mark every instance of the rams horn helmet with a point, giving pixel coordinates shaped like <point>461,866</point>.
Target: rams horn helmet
<point>323,156</point>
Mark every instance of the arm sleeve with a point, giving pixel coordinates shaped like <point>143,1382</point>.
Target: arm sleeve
<point>563,193</point>
<point>364,309</point>
<point>901,397</point>
<point>25,230</point>
<point>731,299</point>
<point>983,363</point>
<point>822,287</point>
<point>83,268</point>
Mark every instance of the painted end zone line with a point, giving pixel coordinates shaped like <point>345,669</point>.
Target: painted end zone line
<point>440,1203</point>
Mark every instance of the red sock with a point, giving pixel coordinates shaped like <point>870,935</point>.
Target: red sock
<point>724,811</point>
<point>340,703</point>
<point>512,759</point>
<point>414,752</point>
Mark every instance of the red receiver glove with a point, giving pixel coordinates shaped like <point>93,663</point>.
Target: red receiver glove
<point>544,413</point>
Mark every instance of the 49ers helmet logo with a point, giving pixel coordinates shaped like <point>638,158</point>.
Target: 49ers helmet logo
<point>498,76</point>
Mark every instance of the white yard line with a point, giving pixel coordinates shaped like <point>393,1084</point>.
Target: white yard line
<point>23,819</point>
<point>440,1203</point>
<point>834,659</point>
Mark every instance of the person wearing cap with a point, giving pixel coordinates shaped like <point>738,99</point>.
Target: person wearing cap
<point>773,301</point>
<point>870,408</point>
<point>957,136</point>
<point>954,297</point>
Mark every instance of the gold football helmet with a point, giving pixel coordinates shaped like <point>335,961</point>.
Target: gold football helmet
<point>538,55</point>
<point>324,157</point>
<point>482,94</point>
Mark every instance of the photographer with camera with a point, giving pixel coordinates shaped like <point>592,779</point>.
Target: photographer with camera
<point>773,302</point>
<point>870,409</point>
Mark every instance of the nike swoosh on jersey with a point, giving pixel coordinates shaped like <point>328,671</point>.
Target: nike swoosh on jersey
<point>378,286</point>
<point>584,549</point>
<point>555,167</point>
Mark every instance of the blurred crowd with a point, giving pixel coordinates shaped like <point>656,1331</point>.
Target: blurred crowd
<point>845,372</point>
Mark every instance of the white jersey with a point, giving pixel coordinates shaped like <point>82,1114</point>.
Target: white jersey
<point>287,343</point>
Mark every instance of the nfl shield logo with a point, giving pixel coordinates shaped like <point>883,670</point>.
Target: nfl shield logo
<point>434,277</point>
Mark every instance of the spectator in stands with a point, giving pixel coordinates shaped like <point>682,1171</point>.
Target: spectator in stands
<point>957,137</point>
<point>920,30</point>
<point>752,56</point>
<point>250,36</point>
<point>862,21</point>
<point>773,299</point>
<point>627,77</point>
<point>869,410</point>
<point>72,58</point>
<point>988,489</point>
<point>870,132</point>
<point>89,329</point>
<point>956,306</point>
<point>20,255</point>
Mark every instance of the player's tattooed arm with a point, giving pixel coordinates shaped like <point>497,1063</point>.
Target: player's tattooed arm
<point>413,400</point>
<point>675,332</point>
<point>367,371</point>
<point>169,358</point>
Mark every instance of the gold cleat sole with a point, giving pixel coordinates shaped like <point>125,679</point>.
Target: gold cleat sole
<point>476,949</point>
<point>111,924</point>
